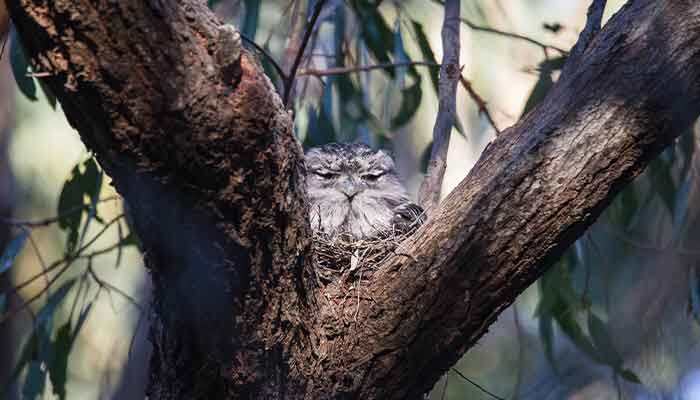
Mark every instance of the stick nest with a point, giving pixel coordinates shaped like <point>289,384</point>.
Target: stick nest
<point>342,256</point>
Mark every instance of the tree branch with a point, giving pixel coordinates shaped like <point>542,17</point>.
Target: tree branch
<point>267,55</point>
<point>511,35</point>
<point>205,156</point>
<point>480,102</point>
<point>291,76</point>
<point>362,68</point>
<point>590,30</point>
<point>202,149</point>
<point>450,72</point>
<point>534,190</point>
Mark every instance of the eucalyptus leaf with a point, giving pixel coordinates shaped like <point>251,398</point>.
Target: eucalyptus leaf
<point>71,197</point>
<point>427,52</point>
<point>12,250</point>
<point>20,67</point>
<point>629,376</point>
<point>603,342</point>
<point>252,15</point>
<point>35,381</point>
<point>546,331</point>
<point>58,366</point>
<point>544,82</point>
<point>49,309</point>
<point>410,101</point>
<point>28,353</point>
<point>664,184</point>
<point>375,32</point>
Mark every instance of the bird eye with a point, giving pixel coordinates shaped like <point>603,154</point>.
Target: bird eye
<point>325,174</point>
<point>372,177</point>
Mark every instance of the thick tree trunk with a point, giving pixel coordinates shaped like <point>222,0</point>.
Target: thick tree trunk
<point>203,151</point>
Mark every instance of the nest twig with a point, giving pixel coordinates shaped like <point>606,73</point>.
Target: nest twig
<point>342,256</point>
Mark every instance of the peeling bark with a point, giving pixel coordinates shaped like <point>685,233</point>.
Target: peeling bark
<point>206,158</point>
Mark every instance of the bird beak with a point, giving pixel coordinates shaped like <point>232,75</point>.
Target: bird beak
<point>349,188</point>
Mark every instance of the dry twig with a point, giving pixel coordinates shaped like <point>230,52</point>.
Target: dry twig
<point>429,193</point>
<point>289,82</point>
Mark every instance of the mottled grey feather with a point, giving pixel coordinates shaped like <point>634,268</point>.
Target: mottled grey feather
<point>354,189</point>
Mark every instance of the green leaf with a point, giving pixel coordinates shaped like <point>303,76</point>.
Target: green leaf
<point>544,83</point>
<point>29,352</point>
<point>663,182</point>
<point>20,67</point>
<point>81,321</point>
<point>570,326</point>
<point>547,337</point>
<point>3,302</point>
<point>602,341</point>
<point>58,367</point>
<point>625,206</point>
<point>12,250</point>
<point>250,22</point>
<point>427,52</point>
<point>93,178</point>
<point>85,182</point>
<point>375,32</point>
<point>320,128</point>
<point>629,376</point>
<point>49,309</point>
<point>539,91</point>
<point>71,197</point>
<point>410,101</point>
<point>35,381</point>
<point>560,301</point>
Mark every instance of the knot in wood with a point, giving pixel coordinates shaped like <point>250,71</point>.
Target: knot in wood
<point>453,71</point>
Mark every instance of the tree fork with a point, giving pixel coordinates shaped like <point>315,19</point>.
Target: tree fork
<point>209,166</point>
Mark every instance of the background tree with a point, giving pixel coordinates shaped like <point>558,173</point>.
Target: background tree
<point>206,157</point>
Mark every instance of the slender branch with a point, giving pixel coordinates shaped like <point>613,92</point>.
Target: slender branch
<point>444,386</point>
<point>298,23</point>
<point>109,287</point>
<point>511,35</point>
<point>480,102</point>
<point>483,389</point>
<point>267,55</point>
<point>289,82</point>
<point>362,68</point>
<point>67,259</point>
<point>429,193</point>
<point>5,39</point>
<point>28,302</point>
<point>66,262</point>
<point>37,251</point>
<point>51,220</point>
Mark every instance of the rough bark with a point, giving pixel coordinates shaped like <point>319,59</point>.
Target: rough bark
<point>205,156</point>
